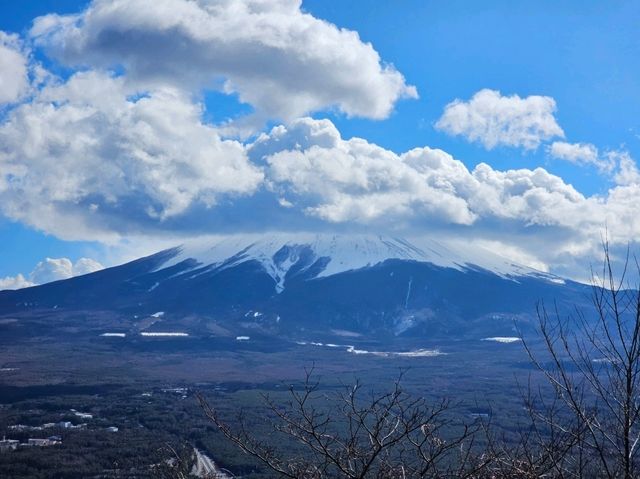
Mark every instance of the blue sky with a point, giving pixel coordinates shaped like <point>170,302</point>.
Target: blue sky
<point>580,55</point>
<point>583,54</point>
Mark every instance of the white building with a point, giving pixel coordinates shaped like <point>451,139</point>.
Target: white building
<point>8,444</point>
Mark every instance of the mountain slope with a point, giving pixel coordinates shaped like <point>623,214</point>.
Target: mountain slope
<point>288,284</point>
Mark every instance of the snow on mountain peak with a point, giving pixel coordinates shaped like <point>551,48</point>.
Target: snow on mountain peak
<point>279,252</point>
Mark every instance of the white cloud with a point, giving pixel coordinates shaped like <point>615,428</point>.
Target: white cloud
<point>496,120</point>
<point>312,167</point>
<point>313,177</point>
<point>88,157</point>
<point>54,269</point>
<point>574,152</point>
<point>582,154</point>
<point>51,269</point>
<point>628,173</point>
<point>14,282</point>
<point>14,73</point>
<point>338,180</point>
<point>279,59</point>
<point>86,266</point>
<point>512,251</point>
<point>98,155</point>
<point>538,216</point>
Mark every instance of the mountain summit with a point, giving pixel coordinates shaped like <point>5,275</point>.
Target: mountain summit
<point>323,255</point>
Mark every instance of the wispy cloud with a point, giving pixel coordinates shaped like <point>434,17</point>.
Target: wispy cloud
<point>582,154</point>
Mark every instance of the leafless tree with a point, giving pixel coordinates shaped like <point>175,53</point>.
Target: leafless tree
<point>352,434</point>
<point>590,425</point>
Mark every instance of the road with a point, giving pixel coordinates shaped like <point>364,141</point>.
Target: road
<point>205,467</point>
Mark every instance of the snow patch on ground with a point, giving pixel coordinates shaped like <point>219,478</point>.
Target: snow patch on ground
<point>346,334</point>
<point>165,334</point>
<point>418,353</point>
<point>404,325</point>
<point>113,335</point>
<point>503,339</point>
<point>604,360</point>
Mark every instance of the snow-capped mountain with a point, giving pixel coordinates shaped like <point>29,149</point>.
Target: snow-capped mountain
<point>285,284</point>
<point>327,254</point>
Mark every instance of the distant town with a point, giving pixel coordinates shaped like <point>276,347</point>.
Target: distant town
<point>52,440</point>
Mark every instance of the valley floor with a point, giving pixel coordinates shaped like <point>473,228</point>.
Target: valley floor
<point>140,393</point>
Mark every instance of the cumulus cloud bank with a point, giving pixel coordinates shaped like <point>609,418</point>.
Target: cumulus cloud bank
<point>54,269</point>
<point>101,155</point>
<point>87,157</point>
<point>310,167</point>
<point>492,119</point>
<point>15,282</point>
<point>354,180</point>
<point>51,269</point>
<point>282,61</point>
